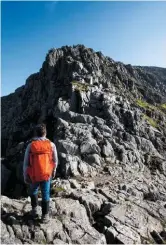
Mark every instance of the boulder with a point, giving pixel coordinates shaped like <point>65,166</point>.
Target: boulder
<point>71,224</point>
<point>107,150</point>
<point>93,159</point>
<point>89,147</point>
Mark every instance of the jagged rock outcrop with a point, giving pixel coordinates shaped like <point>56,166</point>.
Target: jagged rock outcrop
<point>103,211</point>
<point>108,121</point>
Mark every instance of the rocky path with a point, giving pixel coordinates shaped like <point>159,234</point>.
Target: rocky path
<point>92,211</point>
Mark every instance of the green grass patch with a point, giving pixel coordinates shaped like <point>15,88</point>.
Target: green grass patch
<point>159,108</point>
<point>43,241</point>
<point>163,106</point>
<point>142,103</point>
<point>56,189</point>
<point>163,223</point>
<point>60,218</point>
<point>59,189</point>
<point>151,121</point>
<point>84,87</point>
<point>146,105</point>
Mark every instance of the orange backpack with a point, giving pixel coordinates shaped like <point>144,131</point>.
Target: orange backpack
<point>40,162</point>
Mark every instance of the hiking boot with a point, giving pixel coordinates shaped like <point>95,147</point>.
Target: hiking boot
<point>45,218</point>
<point>34,213</point>
<point>45,211</point>
<point>34,203</point>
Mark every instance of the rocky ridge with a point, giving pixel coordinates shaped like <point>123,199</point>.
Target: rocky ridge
<point>108,122</point>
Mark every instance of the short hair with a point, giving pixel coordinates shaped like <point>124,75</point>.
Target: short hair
<point>40,130</point>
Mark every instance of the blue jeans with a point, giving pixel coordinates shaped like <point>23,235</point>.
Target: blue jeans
<point>45,189</point>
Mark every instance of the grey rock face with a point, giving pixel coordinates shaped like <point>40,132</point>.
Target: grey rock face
<point>93,159</point>
<point>67,147</point>
<point>107,120</point>
<point>107,149</point>
<point>71,224</point>
<point>89,147</point>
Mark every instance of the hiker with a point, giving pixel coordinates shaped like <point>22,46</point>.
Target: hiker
<point>40,163</point>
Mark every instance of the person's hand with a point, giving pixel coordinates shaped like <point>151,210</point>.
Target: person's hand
<point>53,174</point>
<point>27,180</point>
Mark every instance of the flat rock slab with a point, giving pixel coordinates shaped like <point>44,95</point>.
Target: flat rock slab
<point>70,224</point>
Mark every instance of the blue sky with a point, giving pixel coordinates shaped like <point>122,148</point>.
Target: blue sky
<point>131,32</point>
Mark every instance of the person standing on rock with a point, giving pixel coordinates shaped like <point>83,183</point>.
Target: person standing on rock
<point>40,163</point>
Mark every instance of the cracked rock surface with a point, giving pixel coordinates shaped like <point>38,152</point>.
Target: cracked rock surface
<point>108,121</point>
<point>102,211</point>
